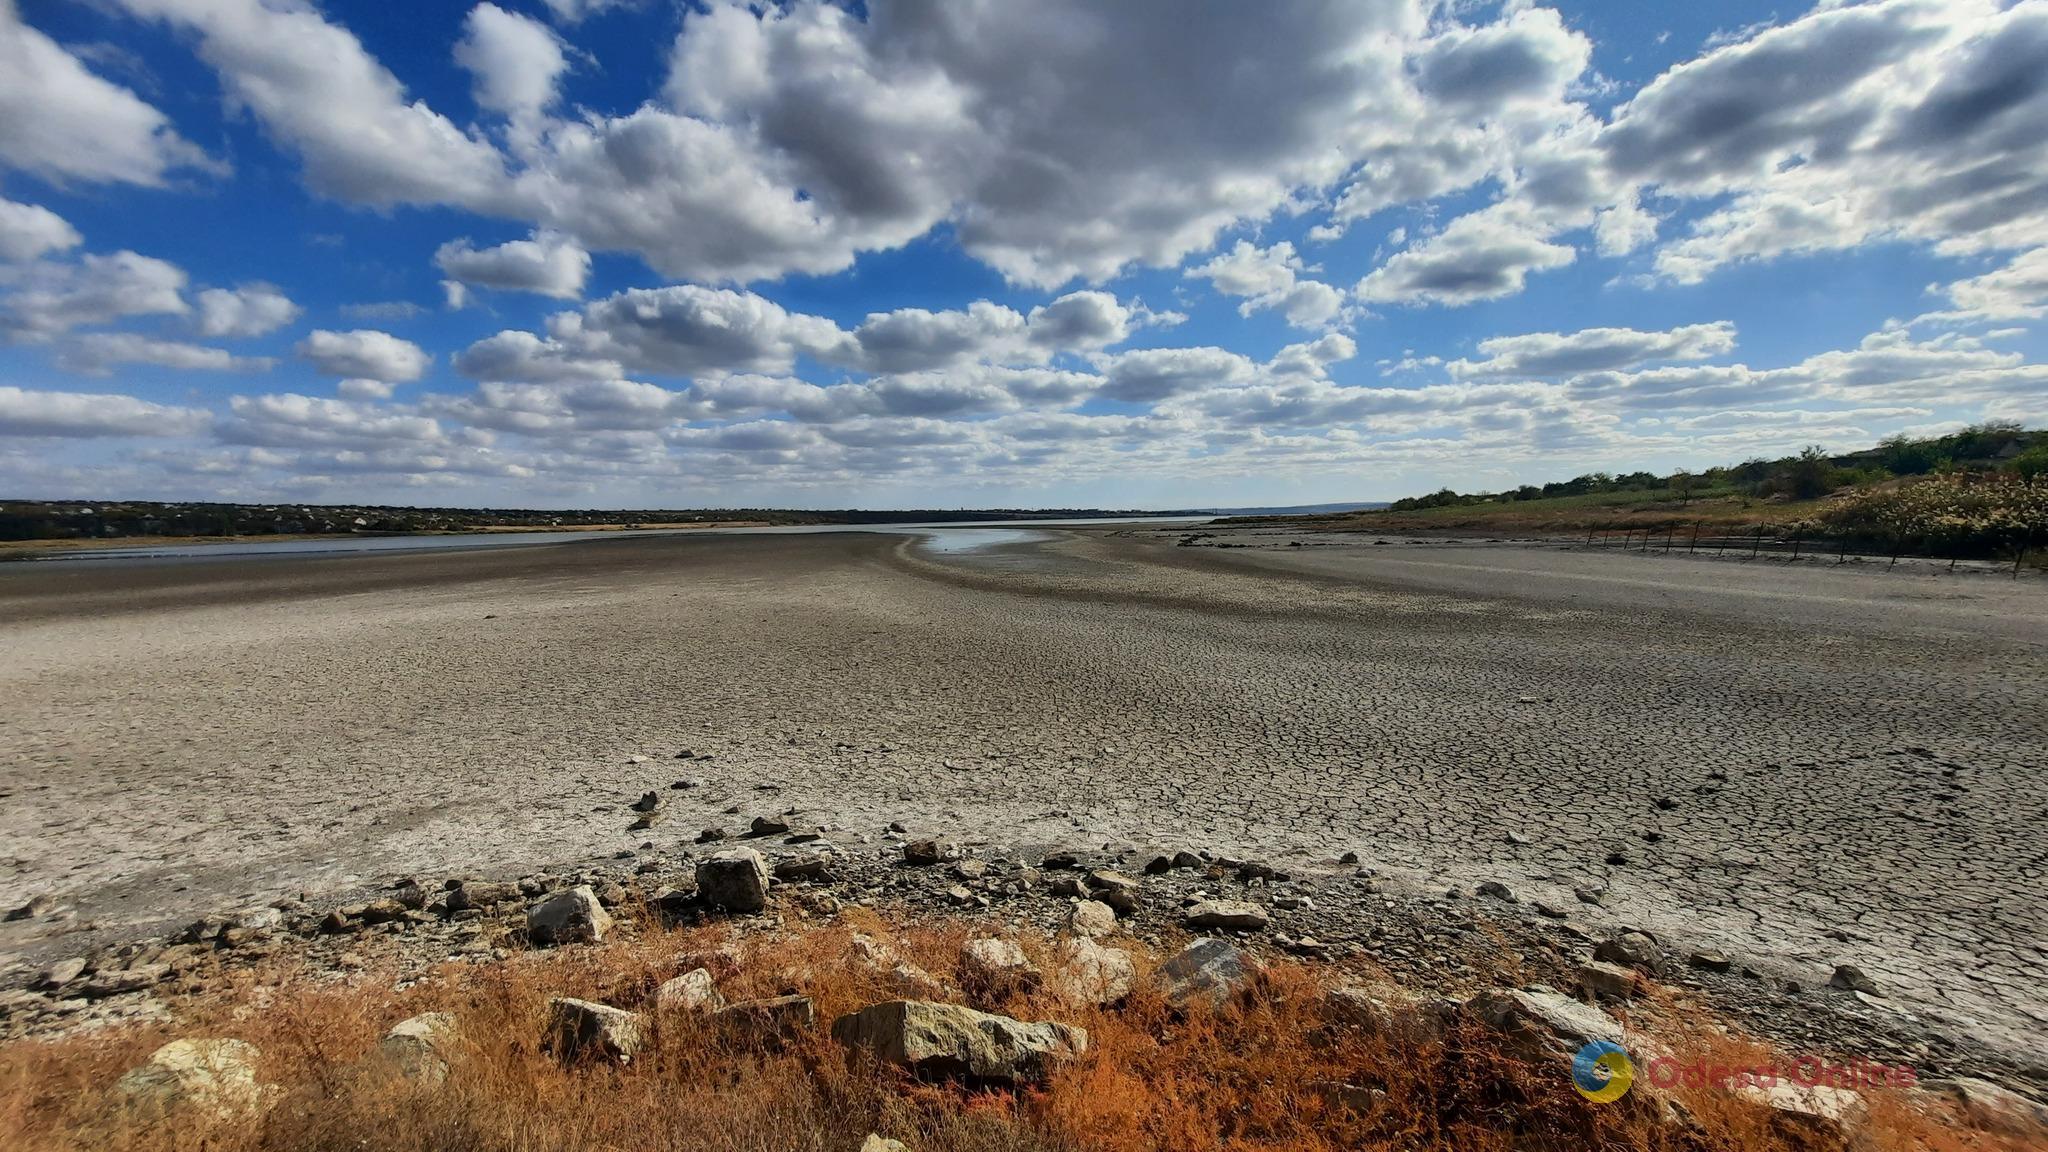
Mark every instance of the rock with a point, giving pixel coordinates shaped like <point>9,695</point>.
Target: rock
<point>1185,859</point>
<point>1831,1114</point>
<point>61,973</point>
<point>970,869</point>
<point>997,968</point>
<point>1092,974</point>
<point>773,1019</point>
<point>131,979</point>
<point>949,1040</point>
<point>694,990</point>
<point>648,802</point>
<point>1091,918</point>
<point>1993,1107</point>
<point>1544,1021</point>
<point>572,916</point>
<point>1597,897</point>
<point>934,850</point>
<point>1380,1009</point>
<point>1157,864</point>
<point>1631,950</point>
<point>418,1048</point>
<point>1497,890</point>
<point>36,908</point>
<point>1851,978</point>
<point>711,835</point>
<point>813,867</point>
<point>1605,981</point>
<point>1666,803</point>
<point>581,1030</point>
<point>1208,969</point>
<point>876,1143</point>
<point>1118,891</point>
<point>481,894</point>
<point>1349,1097</point>
<point>1710,962</point>
<point>768,826</point>
<point>1229,915</point>
<point>736,880</point>
<point>214,1077</point>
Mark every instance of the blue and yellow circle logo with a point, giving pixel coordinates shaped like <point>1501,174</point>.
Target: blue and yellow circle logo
<point>1602,1072</point>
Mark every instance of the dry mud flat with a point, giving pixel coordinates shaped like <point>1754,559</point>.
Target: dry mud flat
<point>1796,767</point>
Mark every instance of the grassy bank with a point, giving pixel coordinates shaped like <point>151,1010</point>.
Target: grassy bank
<point>1278,1068</point>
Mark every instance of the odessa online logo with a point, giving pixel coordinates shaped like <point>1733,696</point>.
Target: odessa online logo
<point>1602,1072</point>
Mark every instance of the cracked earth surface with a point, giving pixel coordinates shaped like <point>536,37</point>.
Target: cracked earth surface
<point>1799,766</point>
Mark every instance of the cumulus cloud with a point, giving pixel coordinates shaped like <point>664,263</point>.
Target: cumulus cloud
<point>28,231</point>
<point>1272,278</point>
<point>1593,350</point>
<point>241,313</point>
<point>41,301</point>
<point>549,264</point>
<point>289,419</point>
<point>61,121</point>
<point>516,62</point>
<point>2018,291</point>
<point>1481,256</point>
<point>88,414</point>
<point>98,353</point>
<point>365,354</point>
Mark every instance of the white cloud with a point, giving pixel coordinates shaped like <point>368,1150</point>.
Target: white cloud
<point>61,121</point>
<point>289,419</point>
<point>1482,256</point>
<point>365,354</point>
<point>1593,350</point>
<point>572,11</point>
<point>88,414</point>
<point>361,389</point>
<point>28,231</point>
<point>1271,278</point>
<point>549,264</point>
<point>241,313</point>
<point>516,62</point>
<point>43,300</point>
<point>98,353</point>
<point>2018,291</point>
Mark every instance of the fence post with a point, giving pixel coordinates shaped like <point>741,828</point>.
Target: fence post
<point>1589,535</point>
<point>1757,544</point>
<point>1898,543</point>
<point>2021,556</point>
<point>1795,543</point>
<point>1842,557</point>
<point>1694,545</point>
<point>1646,538</point>
<point>1669,530</point>
<point>1628,536</point>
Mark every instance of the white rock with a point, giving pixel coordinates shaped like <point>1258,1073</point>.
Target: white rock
<point>954,1040</point>
<point>216,1077</point>
<point>736,880</point>
<point>573,916</point>
<point>694,990</point>
<point>1092,919</point>
<point>580,1029</point>
<point>1229,915</point>
<point>418,1048</point>
<point>1092,974</point>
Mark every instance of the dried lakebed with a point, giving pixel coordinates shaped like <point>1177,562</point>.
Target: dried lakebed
<point>1796,767</point>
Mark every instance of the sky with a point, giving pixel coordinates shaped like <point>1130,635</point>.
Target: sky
<point>979,253</point>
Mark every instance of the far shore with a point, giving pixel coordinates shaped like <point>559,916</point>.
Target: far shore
<point>21,549</point>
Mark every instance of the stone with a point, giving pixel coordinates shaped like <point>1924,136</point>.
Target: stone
<point>1851,978</point>
<point>1631,950</point>
<point>693,991</point>
<point>213,1077</point>
<point>1605,981</point>
<point>1379,1009</point>
<point>877,1143</point>
<point>1118,891</point>
<point>1831,1114</point>
<point>736,880</point>
<point>997,968</point>
<point>970,869</point>
<point>648,802</point>
<point>481,894</point>
<point>1208,969</point>
<point>1157,864</point>
<point>768,826</point>
<point>1710,962</point>
<point>1544,1021</point>
<point>36,908</point>
<point>951,1040</point>
<point>581,1030</point>
<point>418,1048</point>
<point>711,835</point>
<point>1091,918</point>
<point>572,916</point>
<point>134,978</point>
<point>1092,974</point>
<point>1185,859</point>
<point>812,867</point>
<point>1497,890</point>
<point>932,850</point>
<point>1229,915</point>
<point>61,973</point>
<point>1993,1106</point>
<point>773,1019</point>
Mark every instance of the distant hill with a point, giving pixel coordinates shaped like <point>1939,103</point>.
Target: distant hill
<point>1296,509</point>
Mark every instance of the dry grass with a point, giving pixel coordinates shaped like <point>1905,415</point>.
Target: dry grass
<point>1248,1077</point>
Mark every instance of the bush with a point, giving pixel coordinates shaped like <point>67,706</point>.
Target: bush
<point>1949,515</point>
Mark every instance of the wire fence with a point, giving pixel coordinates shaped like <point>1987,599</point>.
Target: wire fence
<point>1703,539</point>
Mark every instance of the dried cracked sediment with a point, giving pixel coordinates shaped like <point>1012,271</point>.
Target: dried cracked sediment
<point>1851,761</point>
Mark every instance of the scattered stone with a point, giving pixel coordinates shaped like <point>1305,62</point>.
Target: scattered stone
<point>812,867</point>
<point>582,1030</point>
<point>1667,803</point>
<point>997,968</point>
<point>131,979</point>
<point>1349,1097</point>
<point>1543,1020</point>
<point>768,826</point>
<point>1831,1114</point>
<point>1617,859</point>
<point>1497,890</point>
<point>1549,911</point>
<point>1186,859</point>
<point>950,1040</point>
<point>1516,838</point>
<point>418,1049</point>
<point>711,835</point>
<point>1208,969</point>
<point>1597,897</point>
<point>1091,919</point>
<point>61,973</point>
<point>1710,962</point>
<point>736,880</point>
<point>1060,860</point>
<point>214,1077</point>
<point>1993,1106</point>
<point>1348,858</point>
<point>1379,1009</point>
<point>573,916</point>
<point>648,802</point>
<point>1228,915</point>
<point>1157,864</point>
<point>1851,978</point>
<point>1631,950</point>
<point>693,991</point>
<point>970,869</point>
<point>877,1143</point>
<point>773,1019</point>
<point>932,850</point>
<point>480,894</point>
<point>1609,982</point>
<point>36,908</point>
<point>1092,974</point>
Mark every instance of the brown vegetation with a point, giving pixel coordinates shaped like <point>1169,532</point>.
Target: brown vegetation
<point>1263,1074</point>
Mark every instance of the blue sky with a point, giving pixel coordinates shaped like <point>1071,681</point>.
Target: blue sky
<point>636,253</point>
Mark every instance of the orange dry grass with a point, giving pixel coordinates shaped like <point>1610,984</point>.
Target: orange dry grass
<point>1252,1077</point>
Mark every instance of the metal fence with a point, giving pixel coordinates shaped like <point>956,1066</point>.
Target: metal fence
<point>1700,538</point>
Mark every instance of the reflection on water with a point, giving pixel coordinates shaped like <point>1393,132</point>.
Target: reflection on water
<point>954,537</point>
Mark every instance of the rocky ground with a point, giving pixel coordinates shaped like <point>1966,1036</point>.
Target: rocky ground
<point>1784,780</point>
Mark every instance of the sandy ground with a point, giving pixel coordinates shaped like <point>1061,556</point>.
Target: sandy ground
<point>1851,761</point>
